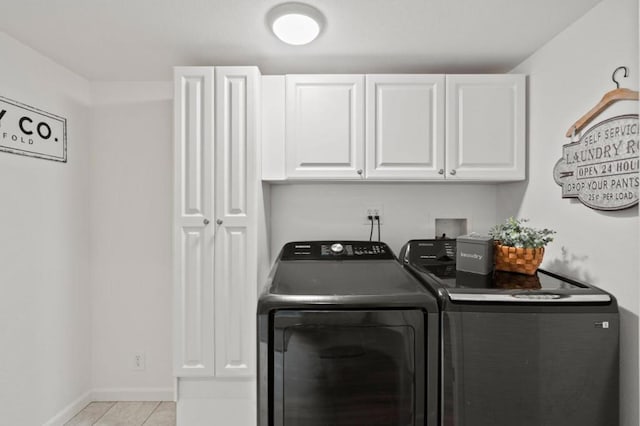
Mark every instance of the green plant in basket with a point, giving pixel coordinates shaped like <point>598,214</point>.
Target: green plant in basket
<point>515,233</point>
<point>519,248</point>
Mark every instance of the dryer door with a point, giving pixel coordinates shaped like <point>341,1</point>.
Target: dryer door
<point>348,367</point>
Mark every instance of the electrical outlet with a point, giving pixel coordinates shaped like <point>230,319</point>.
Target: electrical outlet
<point>372,211</point>
<point>138,361</point>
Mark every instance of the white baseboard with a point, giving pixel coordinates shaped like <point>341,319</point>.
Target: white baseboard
<point>106,394</point>
<point>133,394</point>
<point>69,411</point>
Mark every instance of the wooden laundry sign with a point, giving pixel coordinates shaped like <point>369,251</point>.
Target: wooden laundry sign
<point>601,169</point>
<point>26,130</point>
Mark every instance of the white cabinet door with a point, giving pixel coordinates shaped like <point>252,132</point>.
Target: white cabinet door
<point>324,126</point>
<point>405,126</point>
<point>192,233</point>
<point>485,127</point>
<point>237,175</point>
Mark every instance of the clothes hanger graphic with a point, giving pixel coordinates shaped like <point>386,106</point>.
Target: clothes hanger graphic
<point>609,98</point>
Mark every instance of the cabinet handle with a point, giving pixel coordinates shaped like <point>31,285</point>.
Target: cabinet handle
<point>441,171</point>
<point>219,221</point>
<point>360,172</point>
<point>205,221</point>
<point>452,172</point>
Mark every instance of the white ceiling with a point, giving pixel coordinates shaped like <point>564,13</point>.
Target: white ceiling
<point>105,40</point>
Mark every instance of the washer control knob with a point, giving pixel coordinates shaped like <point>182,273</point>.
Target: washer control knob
<point>337,248</point>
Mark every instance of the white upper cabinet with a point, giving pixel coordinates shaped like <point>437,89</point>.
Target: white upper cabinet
<point>404,126</point>
<point>486,127</point>
<point>324,126</point>
<point>416,127</point>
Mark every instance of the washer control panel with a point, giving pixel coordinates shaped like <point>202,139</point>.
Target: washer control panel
<point>336,250</point>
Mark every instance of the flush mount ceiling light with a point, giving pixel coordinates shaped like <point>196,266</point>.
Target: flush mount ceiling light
<point>295,23</point>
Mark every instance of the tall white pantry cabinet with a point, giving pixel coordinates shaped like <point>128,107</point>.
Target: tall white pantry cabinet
<point>216,181</point>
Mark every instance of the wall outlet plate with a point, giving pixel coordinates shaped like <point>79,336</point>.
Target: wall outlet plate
<point>138,362</point>
<point>372,210</point>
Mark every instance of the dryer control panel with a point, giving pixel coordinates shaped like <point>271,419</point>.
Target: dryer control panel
<point>336,250</point>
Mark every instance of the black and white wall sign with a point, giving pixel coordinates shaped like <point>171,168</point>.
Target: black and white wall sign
<point>601,169</point>
<point>26,130</point>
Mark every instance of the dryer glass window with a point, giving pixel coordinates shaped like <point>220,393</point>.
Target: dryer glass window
<point>347,368</point>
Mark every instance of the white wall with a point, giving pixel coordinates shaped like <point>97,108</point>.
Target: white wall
<point>110,207</point>
<point>316,211</point>
<point>566,78</point>
<point>85,245</point>
<point>131,196</point>
<point>44,241</point>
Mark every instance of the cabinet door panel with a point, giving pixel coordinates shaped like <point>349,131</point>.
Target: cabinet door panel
<point>196,311</point>
<point>324,122</point>
<point>193,138</point>
<point>234,293</point>
<point>193,239</point>
<point>236,205</point>
<point>486,127</point>
<point>405,126</point>
<point>233,144</point>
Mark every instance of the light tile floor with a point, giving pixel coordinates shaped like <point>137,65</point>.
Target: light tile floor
<point>126,414</point>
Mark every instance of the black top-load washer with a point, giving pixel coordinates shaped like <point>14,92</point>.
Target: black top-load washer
<point>518,349</point>
<point>346,336</point>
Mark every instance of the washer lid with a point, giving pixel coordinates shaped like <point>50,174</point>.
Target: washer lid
<point>357,277</point>
<point>442,277</point>
<point>364,277</point>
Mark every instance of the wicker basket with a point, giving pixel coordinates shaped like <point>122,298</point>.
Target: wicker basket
<point>518,259</point>
<point>511,281</point>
